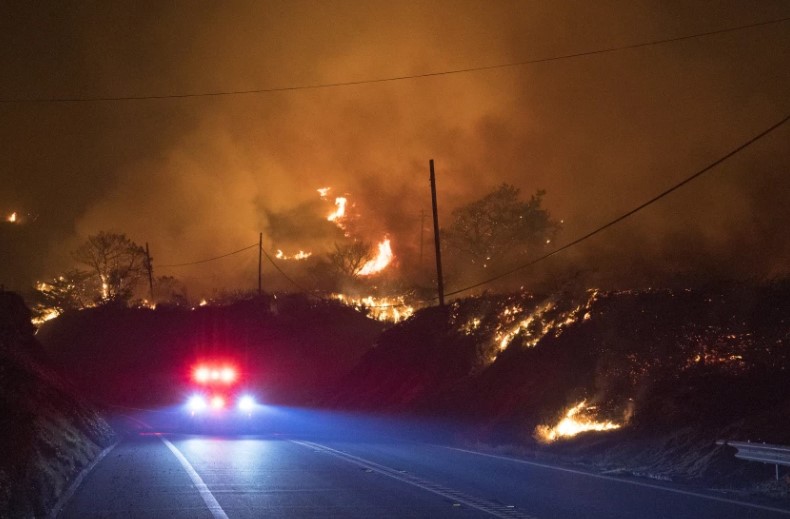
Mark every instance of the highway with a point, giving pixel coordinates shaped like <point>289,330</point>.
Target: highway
<point>310,468</point>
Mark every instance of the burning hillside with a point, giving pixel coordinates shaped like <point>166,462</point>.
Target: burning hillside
<point>634,363</point>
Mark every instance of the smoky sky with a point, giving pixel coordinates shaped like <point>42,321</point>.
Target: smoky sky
<point>201,176</point>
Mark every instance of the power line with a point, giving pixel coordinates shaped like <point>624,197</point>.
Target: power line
<point>209,259</point>
<point>271,260</point>
<point>337,84</point>
<point>632,211</point>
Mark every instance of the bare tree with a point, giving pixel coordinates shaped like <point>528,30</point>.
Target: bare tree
<point>348,260</point>
<point>116,261</point>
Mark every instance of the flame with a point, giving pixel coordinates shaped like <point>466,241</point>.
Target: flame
<point>47,316</point>
<point>577,419</point>
<point>12,218</point>
<point>203,302</point>
<point>301,255</point>
<point>323,191</point>
<point>380,262</point>
<point>340,211</point>
<point>385,309</point>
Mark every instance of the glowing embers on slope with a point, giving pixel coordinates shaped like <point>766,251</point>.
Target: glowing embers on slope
<point>385,309</point>
<point>48,315</point>
<point>578,419</point>
<point>380,262</point>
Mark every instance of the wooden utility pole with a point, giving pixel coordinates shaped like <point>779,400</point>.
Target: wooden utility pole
<point>150,268</point>
<point>440,280</point>
<point>422,233</point>
<point>260,253</point>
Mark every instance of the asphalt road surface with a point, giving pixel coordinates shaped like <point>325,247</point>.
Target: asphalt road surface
<point>309,468</point>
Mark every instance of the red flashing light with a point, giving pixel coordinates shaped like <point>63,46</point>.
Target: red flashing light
<point>228,375</point>
<point>202,375</point>
<point>207,374</point>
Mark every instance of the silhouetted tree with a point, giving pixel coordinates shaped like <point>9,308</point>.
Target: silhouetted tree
<point>348,259</point>
<point>501,227</point>
<point>115,260</point>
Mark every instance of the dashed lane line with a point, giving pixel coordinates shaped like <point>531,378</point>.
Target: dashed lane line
<point>205,493</point>
<point>494,509</point>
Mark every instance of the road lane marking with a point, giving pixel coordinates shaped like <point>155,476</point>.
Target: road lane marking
<point>456,497</point>
<point>205,493</point>
<point>620,480</point>
<point>69,493</point>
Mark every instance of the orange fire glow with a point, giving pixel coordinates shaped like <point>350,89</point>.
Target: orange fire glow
<point>301,255</point>
<point>579,418</point>
<point>380,262</point>
<point>387,309</point>
<point>12,218</point>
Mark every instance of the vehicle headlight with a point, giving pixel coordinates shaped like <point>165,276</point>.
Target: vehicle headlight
<point>196,403</point>
<point>246,403</point>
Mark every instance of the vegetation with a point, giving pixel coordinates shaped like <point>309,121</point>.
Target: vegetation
<point>116,263</point>
<point>500,228</point>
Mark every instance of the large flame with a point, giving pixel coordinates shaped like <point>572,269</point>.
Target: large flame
<point>340,209</point>
<point>380,262</point>
<point>579,418</point>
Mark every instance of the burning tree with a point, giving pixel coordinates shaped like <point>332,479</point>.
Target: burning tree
<point>115,261</point>
<point>349,259</point>
<point>501,227</point>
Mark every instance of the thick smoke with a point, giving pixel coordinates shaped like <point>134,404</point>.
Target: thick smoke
<point>199,177</point>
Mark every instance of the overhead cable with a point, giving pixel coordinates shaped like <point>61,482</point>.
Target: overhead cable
<point>316,86</point>
<point>638,208</point>
<point>209,259</point>
<point>276,266</point>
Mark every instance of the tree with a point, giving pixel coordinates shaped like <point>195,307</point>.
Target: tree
<point>170,291</point>
<point>116,261</point>
<point>499,227</point>
<point>348,260</point>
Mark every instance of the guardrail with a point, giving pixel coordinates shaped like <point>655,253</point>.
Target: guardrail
<point>763,452</point>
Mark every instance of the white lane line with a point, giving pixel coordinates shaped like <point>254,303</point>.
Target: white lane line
<point>205,493</point>
<point>455,496</point>
<point>69,493</point>
<point>626,481</point>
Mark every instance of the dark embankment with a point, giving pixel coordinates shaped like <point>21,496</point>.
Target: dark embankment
<point>675,369</point>
<point>290,348</point>
<point>48,433</point>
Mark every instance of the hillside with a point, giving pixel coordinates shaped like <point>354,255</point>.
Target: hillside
<point>291,347</point>
<point>47,432</point>
<point>670,371</point>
